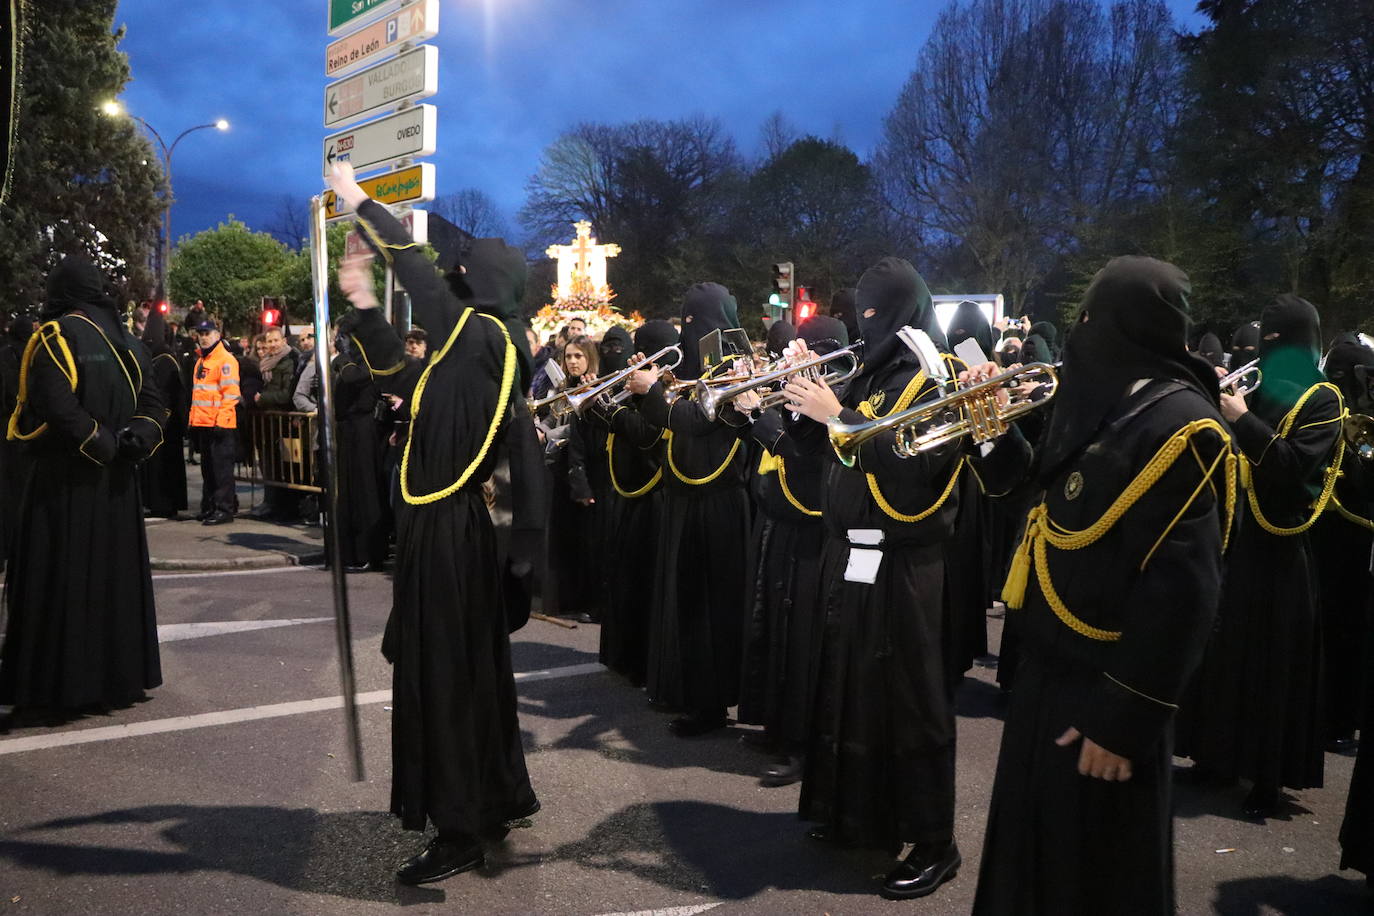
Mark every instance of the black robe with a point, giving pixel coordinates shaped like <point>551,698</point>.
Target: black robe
<point>783,630</point>
<point>634,513</point>
<point>1056,841</point>
<point>362,500</point>
<point>700,594</point>
<point>1257,710</point>
<point>164,474</point>
<point>1357,831</point>
<point>880,761</point>
<point>457,758</point>
<point>82,625</point>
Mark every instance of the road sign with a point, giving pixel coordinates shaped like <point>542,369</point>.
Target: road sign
<point>413,23</point>
<point>416,222</point>
<point>411,76</point>
<point>404,135</point>
<point>347,14</point>
<point>404,186</point>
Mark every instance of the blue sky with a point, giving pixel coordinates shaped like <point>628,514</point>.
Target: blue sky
<point>513,75</point>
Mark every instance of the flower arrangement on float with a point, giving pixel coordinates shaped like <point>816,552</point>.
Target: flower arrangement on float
<point>591,304</point>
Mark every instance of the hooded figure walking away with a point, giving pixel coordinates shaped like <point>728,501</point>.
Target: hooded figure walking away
<point>82,630</point>
<point>1117,582</point>
<point>164,474</point>
<point>457,760</point>
<point>1256,708</point>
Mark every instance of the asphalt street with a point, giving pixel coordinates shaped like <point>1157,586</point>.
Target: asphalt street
<point>228,792</point>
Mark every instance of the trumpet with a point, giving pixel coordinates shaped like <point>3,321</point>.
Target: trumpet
<point>972,411</point>
<point>1235,382</point>
<point>1358,430</point>
<point>556,403</point>
<point>580,397</point>
<point>711,396</point>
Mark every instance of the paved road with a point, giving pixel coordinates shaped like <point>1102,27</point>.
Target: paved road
<point>228,793</point>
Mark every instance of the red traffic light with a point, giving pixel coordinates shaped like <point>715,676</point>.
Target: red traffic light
<point>163,307</point>
<point>805,309</point>
<point>271,317</point>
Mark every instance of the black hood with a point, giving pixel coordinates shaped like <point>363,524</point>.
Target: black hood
<point>969,322</point>
<point>1035,350</point>
<point>652,336</point>
<point>1049,334</point>
<point>615,350</point>
<point>1350,367</point>
<point>780,334</point>
<point>844,306</point>
<point>155,336</point>
<point>1136,327</point>
<point>21,328</point>
<point>706,307</point>
<point>898,297</point>
<point>1210,349</point>
<point>491,279</point>
<point>76,283</point>
<point>1289,346</point>
<point>823,334</point>
<point>1245,344</point>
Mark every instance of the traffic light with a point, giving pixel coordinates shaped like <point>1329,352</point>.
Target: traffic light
<point>782,285</point>
<point>805,307</point>
<point>163,307</point>
<point>271,313</point>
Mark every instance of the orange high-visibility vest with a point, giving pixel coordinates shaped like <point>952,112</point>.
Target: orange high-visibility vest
<point>215,389</point>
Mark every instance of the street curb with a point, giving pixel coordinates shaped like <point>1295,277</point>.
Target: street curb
<point>209,564</point>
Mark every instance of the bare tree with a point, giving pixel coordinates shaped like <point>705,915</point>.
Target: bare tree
<point>472,210</point>
<point>290,225</point>
<point>777,134</point>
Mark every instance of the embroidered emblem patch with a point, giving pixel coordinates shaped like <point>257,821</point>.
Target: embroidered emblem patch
<point>1073,486</point>
<point>875,400</point>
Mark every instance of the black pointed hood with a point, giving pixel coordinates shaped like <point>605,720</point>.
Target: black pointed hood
<point>1245,344</point>
<point>1350,367</point>
<point>780,334</point>
<point>1210,349</point>
<point>706,307</point>
<point>897,296</point>
<point>1289,347</point>
<point>155,336</point>
<point>614,350</point>
<point>969,322</point>
<point>844,306</point>
<point>491,279</point>
<point>652,336</point>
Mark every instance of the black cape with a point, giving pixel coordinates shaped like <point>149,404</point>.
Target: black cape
<point>163,476</point>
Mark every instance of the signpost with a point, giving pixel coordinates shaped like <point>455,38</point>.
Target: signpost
<point>404,186</point>
<point>404,135</point>
<point>412,24</point>
<point>345,14</point>
<point>409,77</point>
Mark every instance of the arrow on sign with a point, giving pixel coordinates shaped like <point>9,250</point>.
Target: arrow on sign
<point>329,156</point>
<point>333,103</point>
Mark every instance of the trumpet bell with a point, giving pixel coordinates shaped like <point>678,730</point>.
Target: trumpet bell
<point>1359,435</point>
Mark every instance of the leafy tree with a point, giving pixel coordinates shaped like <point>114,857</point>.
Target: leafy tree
<point>231,268</point>
<point>82,181</point>
<point>471,210</point>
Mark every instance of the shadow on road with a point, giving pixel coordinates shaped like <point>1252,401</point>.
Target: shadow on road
<point>1329,896</point>
<point>700,847</point>
<point>347,854</point>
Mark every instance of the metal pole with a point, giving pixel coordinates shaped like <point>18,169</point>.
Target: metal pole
<point>319,263</point>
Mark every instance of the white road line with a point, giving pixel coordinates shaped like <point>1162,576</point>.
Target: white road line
<point>672,910</point>
<point>174,632</point>
<point>237,572</point>
<point>232,716</point>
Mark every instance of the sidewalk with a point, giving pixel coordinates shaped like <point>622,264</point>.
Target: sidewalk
<point>245,543</point>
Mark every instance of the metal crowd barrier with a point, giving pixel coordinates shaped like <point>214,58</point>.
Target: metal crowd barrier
<point>281,450</point>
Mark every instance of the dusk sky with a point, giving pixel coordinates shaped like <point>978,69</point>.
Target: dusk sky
<point>513,74</point>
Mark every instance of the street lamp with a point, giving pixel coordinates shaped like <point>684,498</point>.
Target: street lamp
<point>114,109</point>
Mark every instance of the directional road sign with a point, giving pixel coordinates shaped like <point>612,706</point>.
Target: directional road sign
<point>404,186</point>
<point>405,135</point>
<point>413,24</point>
<point>411,76</point>
<point>347,14</point>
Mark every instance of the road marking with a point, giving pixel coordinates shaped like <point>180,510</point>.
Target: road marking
<point>237,572</point>
<point>672,911</point>
<point>232,716</point>
<point>175,632</point>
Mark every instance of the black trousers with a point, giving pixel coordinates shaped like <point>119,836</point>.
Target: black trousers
<point>217,469</point>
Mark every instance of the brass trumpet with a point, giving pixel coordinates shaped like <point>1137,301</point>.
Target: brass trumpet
<point>1358,430</point>
<point>581,396</point>
<point>1234,382</point>
<point>972,411</point>
<point>711,397</point>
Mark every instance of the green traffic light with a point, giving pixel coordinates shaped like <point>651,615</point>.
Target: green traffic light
<point>775,299</point>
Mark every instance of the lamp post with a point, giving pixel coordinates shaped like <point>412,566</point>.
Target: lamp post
<point>114,109</point>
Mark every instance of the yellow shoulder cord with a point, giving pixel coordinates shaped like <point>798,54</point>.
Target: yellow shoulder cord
<point>610,463</point>
<point>698,481</point>
<point>1333,470</point>
<point>384,247</point>
<point>768,463</point>
<point>1350,516</point>
<point>368,363</point>
<point>49,330</point>
<point>1042,532</point>
<point>507,380</point>
<point>133,389</point>
<point>909,394</point>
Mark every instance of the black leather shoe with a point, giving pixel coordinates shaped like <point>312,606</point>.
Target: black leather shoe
<point>1346,745</point>
<point>1262,801</point>
<point>219,518</point>
<point>918,877</point>
<point>783,773</point>
<point>440,860</point>
<point>692,726</point>
<point>358,569</point>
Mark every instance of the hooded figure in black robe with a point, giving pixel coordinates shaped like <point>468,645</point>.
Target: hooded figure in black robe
<point>701,589</point>
<point>82,627</point>
<point>1035,349</point>
<point>1209,348</point>
<point>457,759</point>
<point>634,452</point>
<point>362,529</point>
<point>1047,332</point>
<point>1342,541</point>
<point>879,767</point>
<point>780,334</point>
<point>786,615</point>
<point>1245,344</point>
<point>1113,621</point>
<point>1256,710</point>
<point>842,307</point>
<point>164,474</point>
<point>969,566</point>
